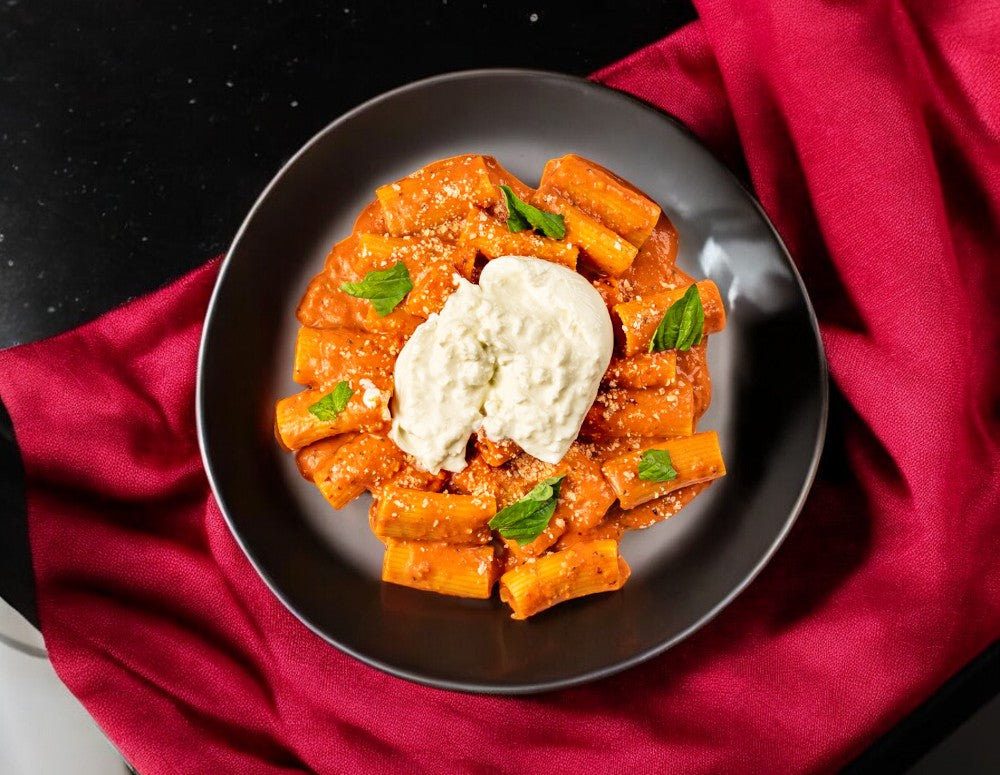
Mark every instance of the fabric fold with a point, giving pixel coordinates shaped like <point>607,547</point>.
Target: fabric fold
<point>871,134</point>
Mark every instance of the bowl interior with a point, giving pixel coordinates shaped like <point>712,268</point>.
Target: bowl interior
<point>769,387</point>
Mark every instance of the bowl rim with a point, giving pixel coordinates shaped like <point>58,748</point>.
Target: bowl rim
<point>591,675</point>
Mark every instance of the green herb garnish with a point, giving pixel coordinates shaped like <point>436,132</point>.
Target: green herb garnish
<point>682,325</point>
<point>384,289</point>
<point>525,520</point>
<point>333,403</point>
<point>521,216</point>
<point>655,466</point>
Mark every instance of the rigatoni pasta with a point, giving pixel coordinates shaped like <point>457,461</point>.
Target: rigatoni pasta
<point>642,370</point>
<point>435,194</point>
<point>602,195</point>
<point>491,238</point>
<point>660,411</point>
<point>417,515</point>
<point>640,317</point>
<point>298,423</point>
<point>324,357</point>
<point>608,252</point>
<point>362,463</point>
<point>695,459</point>
<point>581,569</point>
<point>448,569</point>
<point>541,532</point>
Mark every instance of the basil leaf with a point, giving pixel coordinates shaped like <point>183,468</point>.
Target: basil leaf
<point>655,466</point>
<point>682,325</point>
<point>525,520</point>
<point>385,289</point>
<point>333,403</point>
<point>515,221</point>
<point>521,215</point>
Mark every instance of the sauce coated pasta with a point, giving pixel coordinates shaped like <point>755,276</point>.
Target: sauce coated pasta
<point>498,518</point>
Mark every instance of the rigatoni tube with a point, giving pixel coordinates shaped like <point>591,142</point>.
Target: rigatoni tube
<point>582,569</point>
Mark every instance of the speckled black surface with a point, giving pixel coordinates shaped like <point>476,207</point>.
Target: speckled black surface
<point>134,136</point>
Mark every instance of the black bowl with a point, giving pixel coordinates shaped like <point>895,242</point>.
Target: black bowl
<point>769,374</point>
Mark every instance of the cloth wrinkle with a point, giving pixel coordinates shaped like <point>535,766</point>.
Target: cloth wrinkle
<point>870,134</point>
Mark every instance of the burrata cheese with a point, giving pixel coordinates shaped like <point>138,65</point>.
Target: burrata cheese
<point>520,355</point>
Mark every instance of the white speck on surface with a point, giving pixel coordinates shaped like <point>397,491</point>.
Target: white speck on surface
<point>294,103</point>
<point>372,394</point>
<point>533,18</point>
<point>192,101</point>
<point>235,47</point>
<point>10,262</point>
<point>229,84</point>
<point>50,310</point>
<point>190,80</point>
<point>145,239</point>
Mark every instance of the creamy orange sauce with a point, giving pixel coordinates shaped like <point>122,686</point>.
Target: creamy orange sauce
<point>449,218</point>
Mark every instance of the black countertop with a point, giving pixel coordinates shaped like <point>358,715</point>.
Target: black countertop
<point>135,136</point>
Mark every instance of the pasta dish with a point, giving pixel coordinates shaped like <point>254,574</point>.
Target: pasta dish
<point>515,374</point>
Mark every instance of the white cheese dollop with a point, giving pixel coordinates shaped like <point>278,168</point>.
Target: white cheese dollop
<point>520,355</point>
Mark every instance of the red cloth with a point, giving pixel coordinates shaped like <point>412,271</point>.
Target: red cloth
<point>872,136</point>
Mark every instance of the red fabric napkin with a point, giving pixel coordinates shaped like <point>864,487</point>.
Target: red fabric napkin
<point>872,136</point>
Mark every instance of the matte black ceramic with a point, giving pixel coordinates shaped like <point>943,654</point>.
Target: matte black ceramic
<point>769,396</point>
